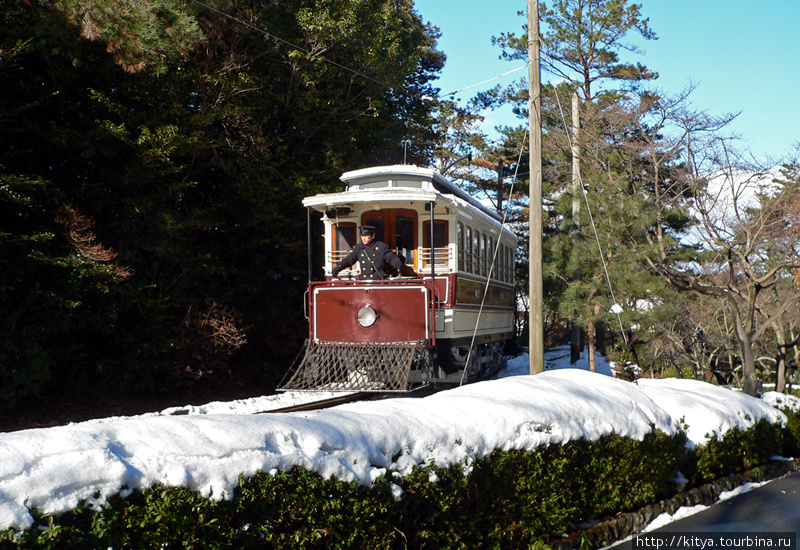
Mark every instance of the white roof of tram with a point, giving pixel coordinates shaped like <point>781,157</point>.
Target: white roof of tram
<point>400,182</point>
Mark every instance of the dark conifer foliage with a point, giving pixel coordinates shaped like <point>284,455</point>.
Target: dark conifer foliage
<point>152,166</point>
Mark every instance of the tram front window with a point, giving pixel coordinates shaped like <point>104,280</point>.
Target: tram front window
<point>397,228</point>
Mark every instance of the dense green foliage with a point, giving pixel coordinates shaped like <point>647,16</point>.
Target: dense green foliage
<point>739,450</point>
<point>507,500</point>
<point>152,235</point>
<point>582,41</point>
<point>791,436</point>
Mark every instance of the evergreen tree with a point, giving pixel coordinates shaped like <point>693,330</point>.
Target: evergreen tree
<point>151,190</point>
<point>581,43</point>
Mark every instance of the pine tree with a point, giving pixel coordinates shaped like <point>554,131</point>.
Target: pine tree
<point>581,44</point>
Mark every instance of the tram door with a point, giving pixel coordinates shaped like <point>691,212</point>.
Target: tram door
<point>397,227</point>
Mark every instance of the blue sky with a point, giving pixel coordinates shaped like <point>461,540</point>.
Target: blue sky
<point>742,56</point>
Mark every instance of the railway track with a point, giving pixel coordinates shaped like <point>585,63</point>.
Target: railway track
<point>321,404</point>
<point>360,396</point>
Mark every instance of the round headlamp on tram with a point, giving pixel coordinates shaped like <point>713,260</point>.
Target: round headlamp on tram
<point>367,316</point>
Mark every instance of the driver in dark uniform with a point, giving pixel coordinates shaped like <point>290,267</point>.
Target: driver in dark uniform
<point>374,256</point>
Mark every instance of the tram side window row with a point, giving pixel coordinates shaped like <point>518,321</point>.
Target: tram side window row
<point>476,251</point>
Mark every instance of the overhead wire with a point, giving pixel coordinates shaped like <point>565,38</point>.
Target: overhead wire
<point>454,92</point>
<point>334,63</point>
<point>287,43</point>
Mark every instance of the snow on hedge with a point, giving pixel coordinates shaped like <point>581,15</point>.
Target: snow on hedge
<point>708,410</point>
<point>55,469</point>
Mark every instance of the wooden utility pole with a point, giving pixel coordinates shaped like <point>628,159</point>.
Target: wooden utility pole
<point>577,190</point>
<point>535,287</point>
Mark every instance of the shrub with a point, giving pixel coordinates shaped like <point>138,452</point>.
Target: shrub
<point>509,499</point>
<point>738,450</point>
<point>791,435</point>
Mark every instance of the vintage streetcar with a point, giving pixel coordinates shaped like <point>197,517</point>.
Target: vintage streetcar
<point>448,313</point>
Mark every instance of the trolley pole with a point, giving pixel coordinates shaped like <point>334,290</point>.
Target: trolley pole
<point>536,321</point>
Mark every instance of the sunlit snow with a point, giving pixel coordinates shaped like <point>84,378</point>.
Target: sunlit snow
<point>208,448</point>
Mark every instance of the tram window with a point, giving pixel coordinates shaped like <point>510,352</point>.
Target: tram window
<point>374,185</point>
<point>480,259</point>
<point>379,223</point>
<point>404,237</point>
<point>511,264</point>
<point>468,249</point>
<point>488,253</point>
<point>344,237</point>
<point>407,183</point>
<point>440,238</point>
<point>501,262</point>
<point>476,252</point>
<point>483,255</point>
<point>460,245</point>
<point>490,257</point>
<point>506,271</point>
<point>439,234</point>
<point>397,227</point>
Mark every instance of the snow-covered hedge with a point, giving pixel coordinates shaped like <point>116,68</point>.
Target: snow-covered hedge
<point>385,444</point>
<point>509,499</point>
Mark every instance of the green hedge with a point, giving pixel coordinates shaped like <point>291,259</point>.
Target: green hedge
<point>509,499</point>
<point>791,435</point>
<point>738,451</point>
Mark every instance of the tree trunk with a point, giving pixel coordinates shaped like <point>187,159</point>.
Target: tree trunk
<point>736,377</point>
<point>575,342</point>
<point>592,339</point>
<point>577,191</point>
<point>749,377</point>
<point>780,359</point>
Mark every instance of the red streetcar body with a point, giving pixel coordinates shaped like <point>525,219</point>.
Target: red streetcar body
<point>403,311</point>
